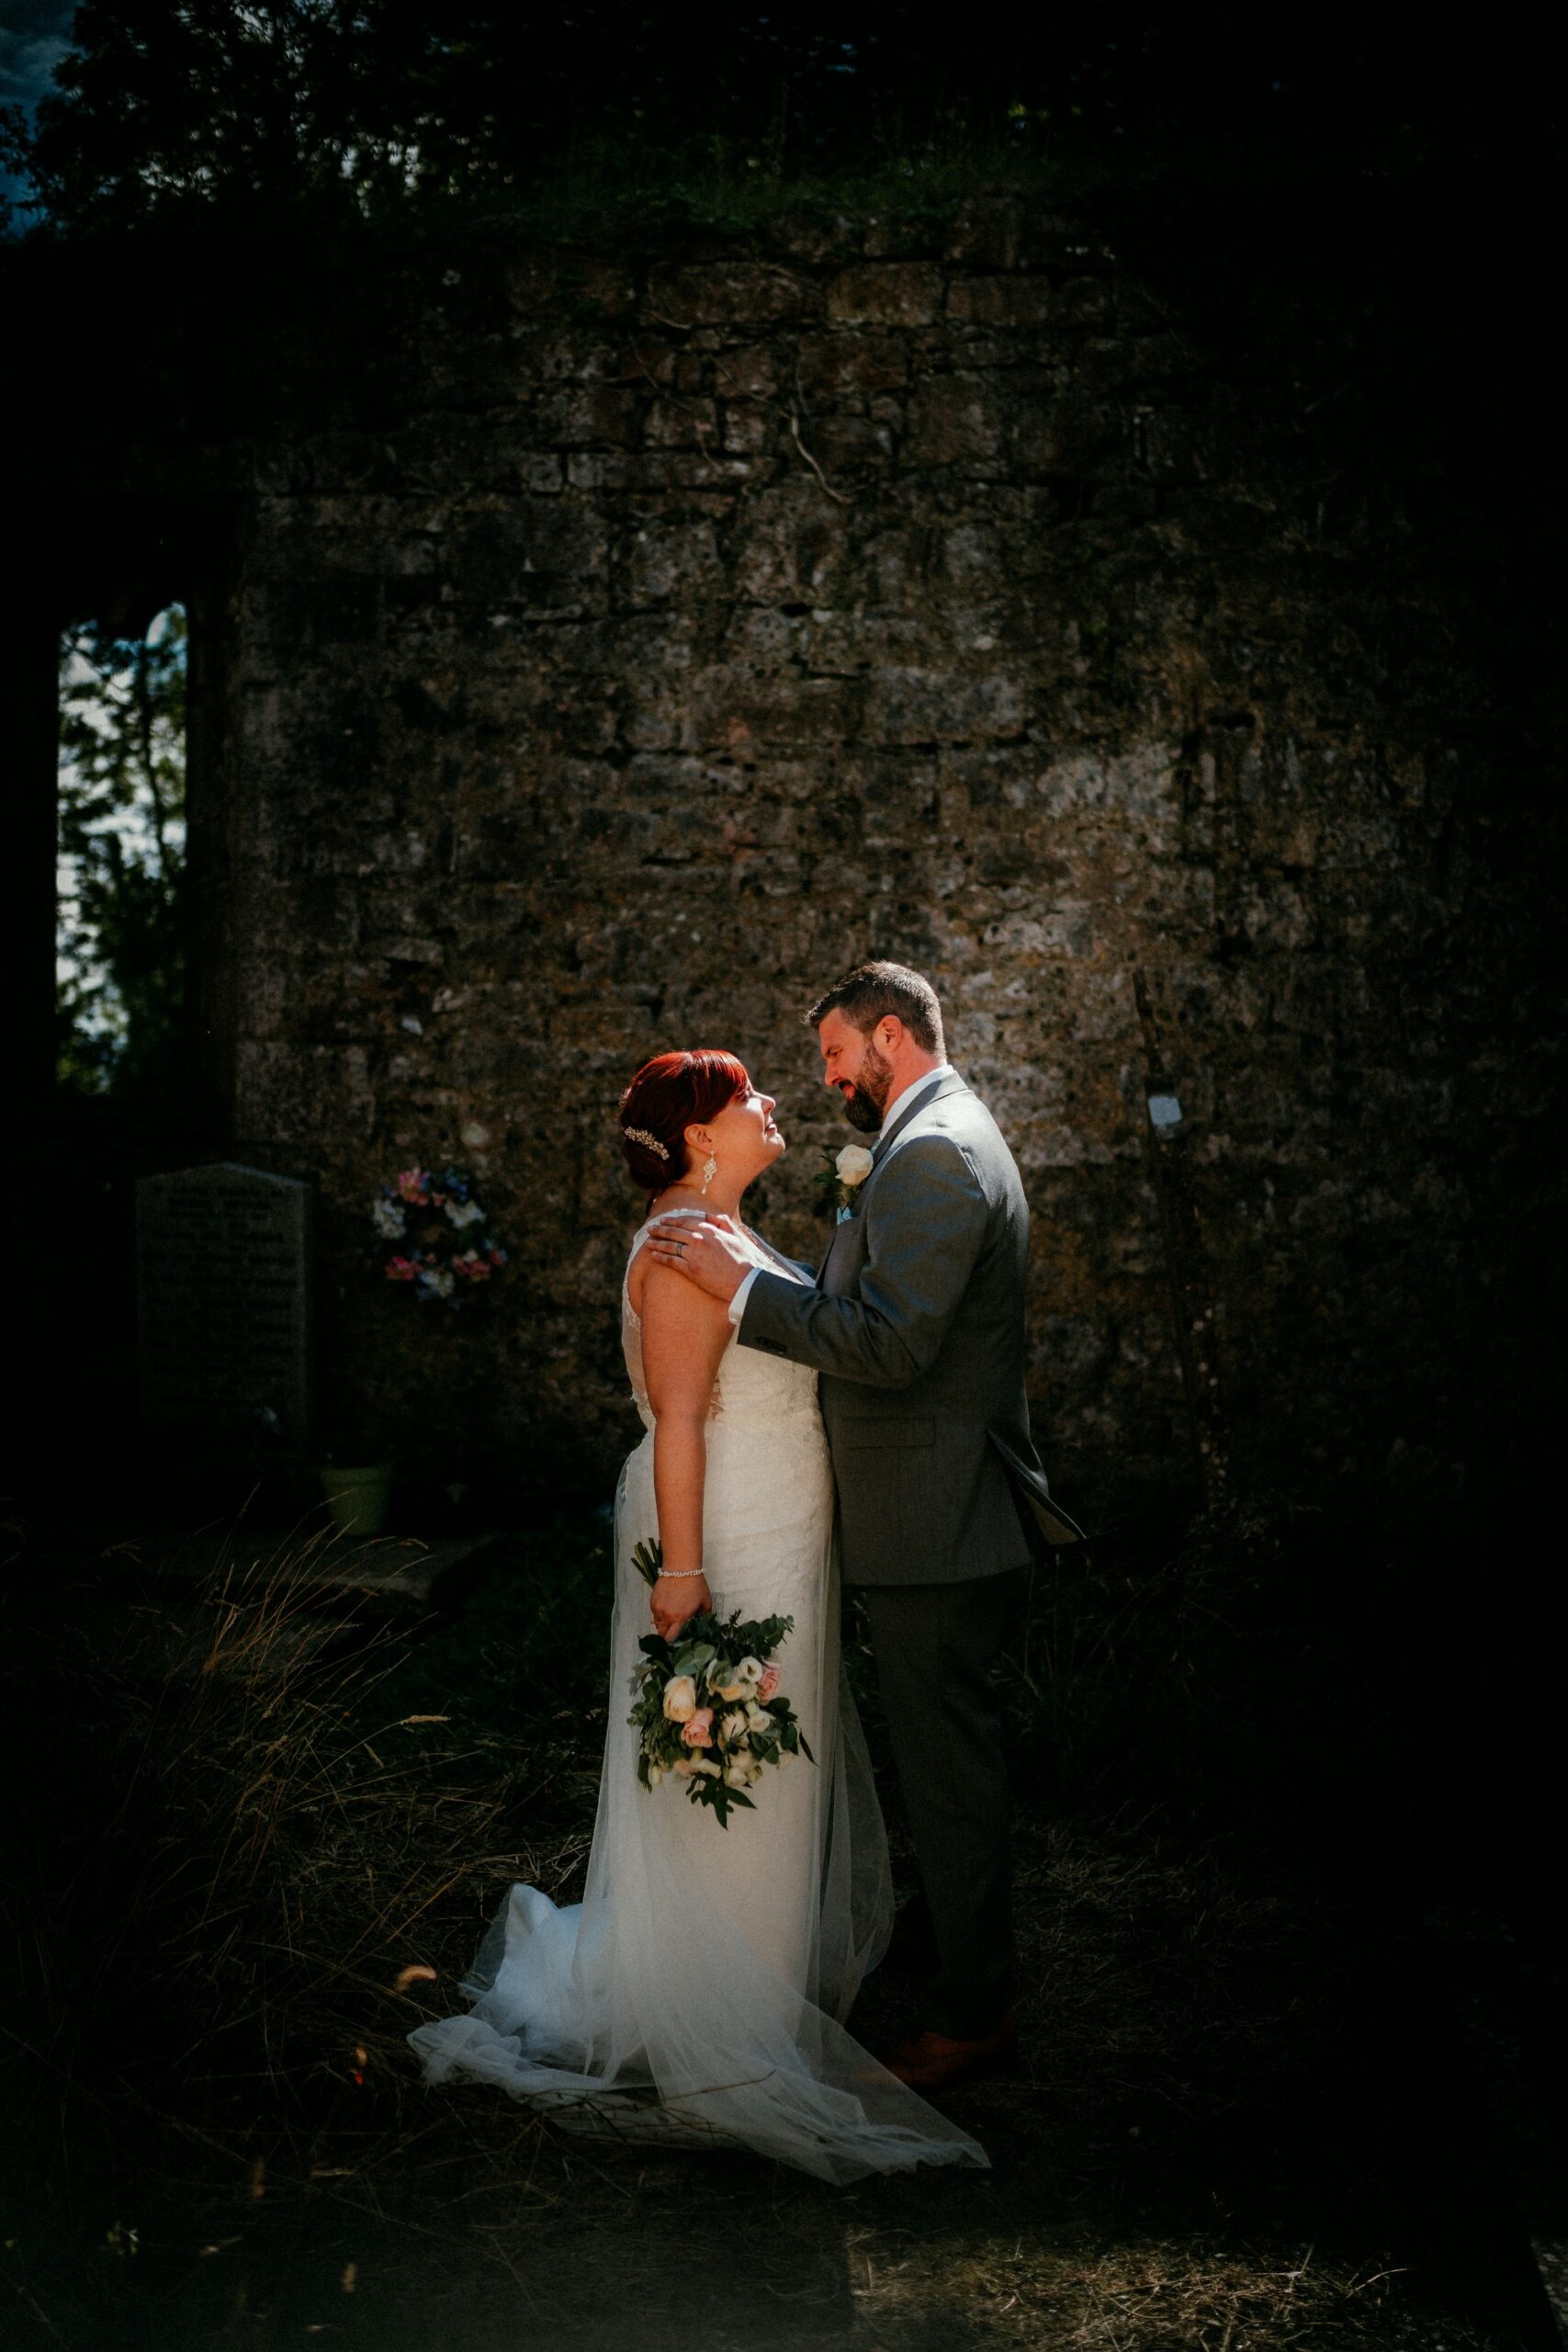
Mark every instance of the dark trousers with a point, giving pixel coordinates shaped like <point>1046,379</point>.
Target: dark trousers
<point>936,1648</point>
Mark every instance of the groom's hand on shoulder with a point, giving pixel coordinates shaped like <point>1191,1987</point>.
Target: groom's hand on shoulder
<point>711,1254</point>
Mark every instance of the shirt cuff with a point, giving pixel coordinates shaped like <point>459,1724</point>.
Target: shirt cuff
<point>738,1304</point>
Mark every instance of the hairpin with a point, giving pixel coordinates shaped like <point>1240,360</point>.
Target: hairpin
<point>649,1143</point>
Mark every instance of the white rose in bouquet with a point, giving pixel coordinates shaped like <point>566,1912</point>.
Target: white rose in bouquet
<point>680,1697</point>
<point>733,1728</point>
<point>757,1718</point>
<point>748,1673</point>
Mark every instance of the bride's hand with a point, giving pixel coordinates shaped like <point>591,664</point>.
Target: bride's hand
<point>675,1600</point>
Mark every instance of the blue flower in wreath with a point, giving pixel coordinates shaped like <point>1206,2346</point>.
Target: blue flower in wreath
<point>446,1249</point>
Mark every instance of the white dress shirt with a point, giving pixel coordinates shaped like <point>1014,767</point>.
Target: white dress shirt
<point>896,1109</point>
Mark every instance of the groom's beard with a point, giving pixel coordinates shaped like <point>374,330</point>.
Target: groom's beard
<point>864,1106</point>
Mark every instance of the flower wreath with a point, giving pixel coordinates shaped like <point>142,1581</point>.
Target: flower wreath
<point>448,1248</point>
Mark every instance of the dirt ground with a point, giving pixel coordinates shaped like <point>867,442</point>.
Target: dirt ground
<point>1251,2113</point>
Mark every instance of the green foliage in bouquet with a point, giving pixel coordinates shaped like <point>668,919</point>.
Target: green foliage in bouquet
<point>709,1712</point>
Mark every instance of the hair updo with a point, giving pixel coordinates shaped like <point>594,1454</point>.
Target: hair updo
<point>668,1094</point>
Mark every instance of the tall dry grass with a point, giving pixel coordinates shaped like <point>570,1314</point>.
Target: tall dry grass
<point>240,1850</point>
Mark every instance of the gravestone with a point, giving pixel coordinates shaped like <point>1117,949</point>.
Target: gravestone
<point>223,1302</point>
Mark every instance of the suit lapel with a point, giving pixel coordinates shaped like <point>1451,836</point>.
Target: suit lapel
<point>948,1085</point>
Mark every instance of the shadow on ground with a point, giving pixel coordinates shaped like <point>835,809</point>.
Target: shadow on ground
<point>1273,2091</point>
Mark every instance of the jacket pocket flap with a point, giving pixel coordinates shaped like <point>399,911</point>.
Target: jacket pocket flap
<point>907,1428</point>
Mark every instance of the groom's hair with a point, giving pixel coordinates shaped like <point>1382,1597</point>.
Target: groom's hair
<point>872,991</point>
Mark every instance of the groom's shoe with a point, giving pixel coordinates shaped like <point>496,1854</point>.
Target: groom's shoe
<point>935,2062</point>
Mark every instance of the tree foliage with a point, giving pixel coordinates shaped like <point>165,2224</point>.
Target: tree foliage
<point>121,949</point>
<point>358,107</point>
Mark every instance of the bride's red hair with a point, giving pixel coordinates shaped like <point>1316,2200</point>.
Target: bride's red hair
<point>668,1094</point>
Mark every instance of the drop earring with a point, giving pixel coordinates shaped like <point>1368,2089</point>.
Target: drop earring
<point>710,1170</point>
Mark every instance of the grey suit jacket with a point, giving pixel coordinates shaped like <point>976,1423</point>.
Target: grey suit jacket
<point>917,1328</point>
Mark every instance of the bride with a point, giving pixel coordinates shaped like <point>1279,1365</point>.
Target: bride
<point>698,1993</point>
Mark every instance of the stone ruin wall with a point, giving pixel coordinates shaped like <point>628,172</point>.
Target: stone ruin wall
<point>641,647</point>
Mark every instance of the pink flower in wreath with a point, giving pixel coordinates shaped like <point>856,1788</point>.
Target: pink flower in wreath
<point>415,1185</point>
<point>769,1683</point>
<point>398,1270</point>
<point>698,1732</point>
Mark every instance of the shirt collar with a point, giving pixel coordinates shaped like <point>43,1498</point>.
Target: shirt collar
<point>911,1094</point>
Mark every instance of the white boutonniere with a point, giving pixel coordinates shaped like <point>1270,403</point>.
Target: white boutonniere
<point>842,1179</point>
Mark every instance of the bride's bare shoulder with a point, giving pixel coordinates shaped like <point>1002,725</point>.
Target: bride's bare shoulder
<point>643,1263</point>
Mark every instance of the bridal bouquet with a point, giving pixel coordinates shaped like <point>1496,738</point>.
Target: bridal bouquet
<point>709,1711</point>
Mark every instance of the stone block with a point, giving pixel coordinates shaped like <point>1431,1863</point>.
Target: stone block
<point>668,560</point>
<point>1083,302</point>
<point>795,547</point>
<point>954,420</point>
<point>848,643</point>
<point>747,372</point>
<point>848,444</point>
<point>655,470</point>
<point>506,551</point>
<point>305,614</point>
<point>732,711</point>
<point>1000,301</point>
<point>842,366</point>
<point>681,424</point>
<point>730,294</point>
<point>910,705</point>
<point>591,417</point>
<point>747,428</point>
<point>889,293</point>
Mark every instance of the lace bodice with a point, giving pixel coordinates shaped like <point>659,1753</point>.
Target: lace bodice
<point>752,1390</point>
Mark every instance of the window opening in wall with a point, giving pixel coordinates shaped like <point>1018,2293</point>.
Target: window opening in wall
<point>119,954</point>
<point>122,1095</point>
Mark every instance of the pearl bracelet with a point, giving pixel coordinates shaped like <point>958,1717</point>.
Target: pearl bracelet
<point>673,1574</point>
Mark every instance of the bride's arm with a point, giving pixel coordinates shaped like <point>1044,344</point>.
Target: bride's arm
<point>683,1336</point>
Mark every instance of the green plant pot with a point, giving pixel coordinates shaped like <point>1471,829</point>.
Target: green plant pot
<point>357,1500</point>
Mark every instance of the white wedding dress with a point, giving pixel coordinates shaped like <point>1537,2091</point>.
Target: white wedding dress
<point>696,1994</point>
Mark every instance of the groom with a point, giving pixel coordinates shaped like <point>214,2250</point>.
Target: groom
<point>916,1327</point>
